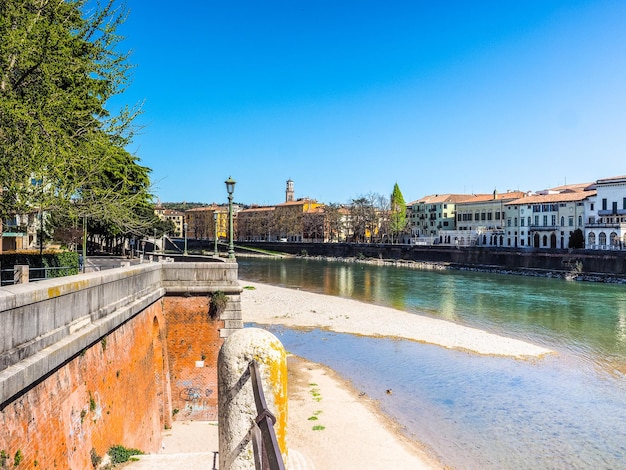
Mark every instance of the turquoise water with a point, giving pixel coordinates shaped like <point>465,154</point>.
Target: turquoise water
<point>566,411</point>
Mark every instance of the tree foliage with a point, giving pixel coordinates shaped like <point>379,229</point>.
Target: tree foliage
<point>397,217</point>
<point>577,239</point>
<point>61,149</point>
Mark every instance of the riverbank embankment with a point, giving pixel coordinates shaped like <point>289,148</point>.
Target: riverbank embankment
<point>581,265</point>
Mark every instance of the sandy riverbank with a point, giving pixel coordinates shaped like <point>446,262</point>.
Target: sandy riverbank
<point>269,305</point>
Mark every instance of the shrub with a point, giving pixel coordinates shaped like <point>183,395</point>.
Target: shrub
<point>217,304</point>
<point>121,454</point>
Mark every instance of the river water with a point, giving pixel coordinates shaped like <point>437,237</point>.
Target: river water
<point>565,411</point>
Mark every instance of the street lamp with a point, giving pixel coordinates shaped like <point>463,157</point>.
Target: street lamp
<point>230,188</point>
<point>185,229</point>
<point>215,235</point>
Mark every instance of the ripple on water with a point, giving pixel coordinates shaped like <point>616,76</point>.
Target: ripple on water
<point>483,412</point>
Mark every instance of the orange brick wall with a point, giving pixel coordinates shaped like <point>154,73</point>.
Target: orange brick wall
<point>103,397</point>
<point>193,343</point>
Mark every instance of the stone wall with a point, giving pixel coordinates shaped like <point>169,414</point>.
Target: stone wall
<point>593,261</point>
<point>103,359</point>
<point>113,393</point>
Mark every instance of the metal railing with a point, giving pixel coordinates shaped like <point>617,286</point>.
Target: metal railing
<point>8,276</point>
<point>267,455</point>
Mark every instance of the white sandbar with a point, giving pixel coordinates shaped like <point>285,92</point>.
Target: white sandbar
<point>270,305</point>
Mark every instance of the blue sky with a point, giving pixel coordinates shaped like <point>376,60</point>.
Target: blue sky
<point>347,98</point>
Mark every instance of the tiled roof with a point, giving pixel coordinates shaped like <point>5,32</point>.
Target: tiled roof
<point>549,198</point>
<point>258,209</point>
<point>614,179</point>
<point>572,187</point>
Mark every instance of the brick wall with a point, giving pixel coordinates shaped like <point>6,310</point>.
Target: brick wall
<point>193,342</point>
<point>100,398</point>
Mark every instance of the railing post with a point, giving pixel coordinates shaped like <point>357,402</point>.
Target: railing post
<point>20,274</point>
<point>237,409</point>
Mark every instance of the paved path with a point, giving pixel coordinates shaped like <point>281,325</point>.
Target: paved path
<point>188,445</point>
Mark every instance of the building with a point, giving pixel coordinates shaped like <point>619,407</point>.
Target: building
<point>205,222</point>
<point>292,219</point>
<point>605,218</point>
<point>176,217</point>
<point>480,219</point>
<point>547,219</point>
<point>430,216</point>
<point>256,224</point>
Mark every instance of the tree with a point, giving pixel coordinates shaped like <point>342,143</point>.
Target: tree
<point>397,213</point>
<point>576,239</point>
<point>58,68</point>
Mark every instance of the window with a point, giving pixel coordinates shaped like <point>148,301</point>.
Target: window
<point>445,223</point>
<point>515,223</point>
<point>489,215</point>
<point>483,216</point>
<point>445,215</point>
<point>602,238</point>
<point>624,203</point>
<point>570,221</point>
<point>521,222</point>
<point>614,207</point>
<point>591,206</point>
<point>563,221</point>
<point>592,238</point>
<point>553,220</point>
<point>445,206</point>
<point>580,220</point>
<point>545,220</point>
<point>508,222</point>
<point>497,215</point>
<point>536,220</point>
<point>604,204</point>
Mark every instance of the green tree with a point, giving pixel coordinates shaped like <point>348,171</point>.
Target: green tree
<point>61,149</point>
<point>397,222</point>
<point>577,239</point>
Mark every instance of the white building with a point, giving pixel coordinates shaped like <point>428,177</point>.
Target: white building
<point>605,224</point>
<point>547,219</point>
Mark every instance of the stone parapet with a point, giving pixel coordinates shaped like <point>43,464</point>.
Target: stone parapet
<point>45,324</point>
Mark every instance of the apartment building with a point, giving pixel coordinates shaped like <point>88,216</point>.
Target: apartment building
<point>605,218</point>
<point>432,214</point>
<point>547,219</point>
<point>176,217</point>
<point>480,219</point>
<point>206,222</point>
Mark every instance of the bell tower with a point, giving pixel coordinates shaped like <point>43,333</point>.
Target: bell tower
<point>289,191</point>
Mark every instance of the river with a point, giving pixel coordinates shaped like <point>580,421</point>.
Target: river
<point>565,411</point>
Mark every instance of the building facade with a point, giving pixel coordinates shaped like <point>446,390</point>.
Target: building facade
<point>605,224</point>
<point>546,220</point>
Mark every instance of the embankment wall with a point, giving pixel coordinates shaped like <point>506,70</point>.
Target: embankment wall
<point>592,261</point>
<point>103,359</point>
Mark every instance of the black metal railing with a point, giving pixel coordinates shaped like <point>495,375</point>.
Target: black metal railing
<point>7,276</point>
<point>267,455</point>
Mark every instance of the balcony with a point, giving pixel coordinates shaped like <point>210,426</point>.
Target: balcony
<point>543,228</point>
<point>606,212</point>
<point>615,225</point>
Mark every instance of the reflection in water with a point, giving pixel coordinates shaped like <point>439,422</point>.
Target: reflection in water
<point>584,318</point>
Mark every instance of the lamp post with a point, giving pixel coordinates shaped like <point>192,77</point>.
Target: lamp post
<point>230,188</point>
<point>215,253</point>
<point>185,229</point>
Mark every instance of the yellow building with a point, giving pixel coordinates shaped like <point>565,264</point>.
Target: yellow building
<point>205,222</point>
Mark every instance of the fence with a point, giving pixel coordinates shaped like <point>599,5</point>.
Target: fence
<point>21,274</point>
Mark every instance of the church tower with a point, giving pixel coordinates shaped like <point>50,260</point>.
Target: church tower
<point>289,191</point>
